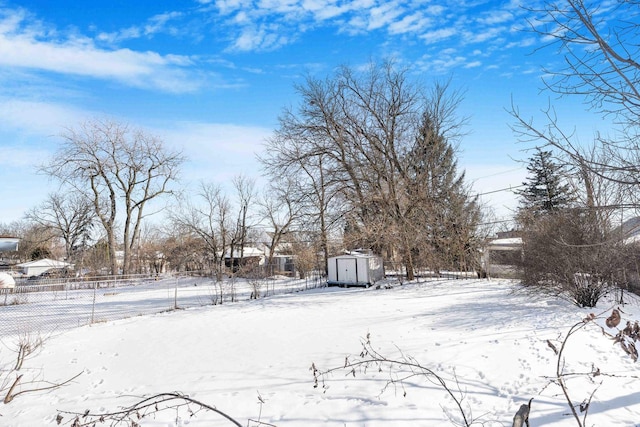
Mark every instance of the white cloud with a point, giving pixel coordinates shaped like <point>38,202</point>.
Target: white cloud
<point>158,23</point>
<point>261,37</point>
<point>384,15</point>
<point>124,34</point>
<point>217,151</point>
<point>484,35</point>
<point>154,25</point>
<point>38,118</point>
<point>436,36</point>
<point>410,24</point>
<point>226,7</point>
<point>526,42</point>
<point>496,17</point>
<point>24,45</point>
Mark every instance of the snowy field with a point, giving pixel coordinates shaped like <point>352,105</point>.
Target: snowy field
<point>252,359</point>
<point>66,307</point>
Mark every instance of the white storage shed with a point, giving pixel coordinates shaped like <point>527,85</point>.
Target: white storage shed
<point>36,268</point>
<point>354,270</point>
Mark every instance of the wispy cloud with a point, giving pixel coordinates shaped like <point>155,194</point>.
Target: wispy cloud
<point>26,43</point>
<point>38,118</point>
<point>436,36</point>
<point>496,17</point>
<point>384,15</point>
<point>260,37</point>
<point>230,147</point>
<point>272,24</point>
<point>410,24</point>
<point>156,24</point>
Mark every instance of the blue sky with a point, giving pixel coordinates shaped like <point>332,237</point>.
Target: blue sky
<point>210,77</point>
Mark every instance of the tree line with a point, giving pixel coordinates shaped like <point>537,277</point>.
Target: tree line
<point>366,161</point>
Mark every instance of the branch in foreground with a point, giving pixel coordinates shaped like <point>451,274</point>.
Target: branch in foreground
<point>369,357</point>
<point>145,408</point>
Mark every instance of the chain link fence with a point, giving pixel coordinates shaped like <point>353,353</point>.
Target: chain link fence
<point>52,307</point>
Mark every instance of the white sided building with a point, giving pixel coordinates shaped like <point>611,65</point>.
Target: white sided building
<point>8,243</point>
<point>354,270</point>
<point>36,268</point>
<point>502,256</point>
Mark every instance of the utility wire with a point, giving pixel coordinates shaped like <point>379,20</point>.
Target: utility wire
<point>511,188</point>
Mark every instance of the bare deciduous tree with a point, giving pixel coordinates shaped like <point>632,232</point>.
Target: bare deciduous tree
<point>121,169</point>
<point>209,218</point>
<point>239,232</point>
<point>598,44</point>
<point>69,215</point>
<point>360,138</point>
<point>36,241</point>
<point>315,188</point>
<point>280,210</point>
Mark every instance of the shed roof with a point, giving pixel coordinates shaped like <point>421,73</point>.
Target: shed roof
<point>354,255</point>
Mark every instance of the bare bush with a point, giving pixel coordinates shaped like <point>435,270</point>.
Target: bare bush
<point>15,379</point>
<point>569,254</point>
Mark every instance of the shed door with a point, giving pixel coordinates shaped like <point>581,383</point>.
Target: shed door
<point>346,270</point>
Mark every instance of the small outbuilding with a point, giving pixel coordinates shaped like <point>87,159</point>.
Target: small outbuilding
<point>354,270</point>
<point>247,257</point>
<point>36,268</point>
<point>502,256</point>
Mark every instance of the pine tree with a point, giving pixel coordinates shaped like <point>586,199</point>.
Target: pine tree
<point>545,190</point>
<point>446,213</point>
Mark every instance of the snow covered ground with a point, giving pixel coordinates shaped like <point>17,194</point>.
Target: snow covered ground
<point>252,360</point>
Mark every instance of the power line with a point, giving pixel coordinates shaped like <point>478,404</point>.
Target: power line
<point>497,173</point>
<point>510,188</point>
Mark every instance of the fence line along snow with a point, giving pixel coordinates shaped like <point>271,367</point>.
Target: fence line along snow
<point>50,308</point>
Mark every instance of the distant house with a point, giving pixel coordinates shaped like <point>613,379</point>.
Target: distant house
<point>8,243</point>
<point>283,264</point>
<point>36,268</point>
<point>248,257</point>
<point>354,270</point>
<point>630,230</point>
<point>501,257</point>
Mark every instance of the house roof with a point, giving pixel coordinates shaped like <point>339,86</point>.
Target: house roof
<point>246,253</point>
<point>509,243</point>
<point>631,230</point>
<point>45,262</point>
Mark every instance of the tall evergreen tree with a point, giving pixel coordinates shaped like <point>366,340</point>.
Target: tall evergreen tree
<point>545,190</point>
<point>445,210</point>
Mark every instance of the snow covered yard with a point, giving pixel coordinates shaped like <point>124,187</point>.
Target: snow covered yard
<point>252,360</point>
